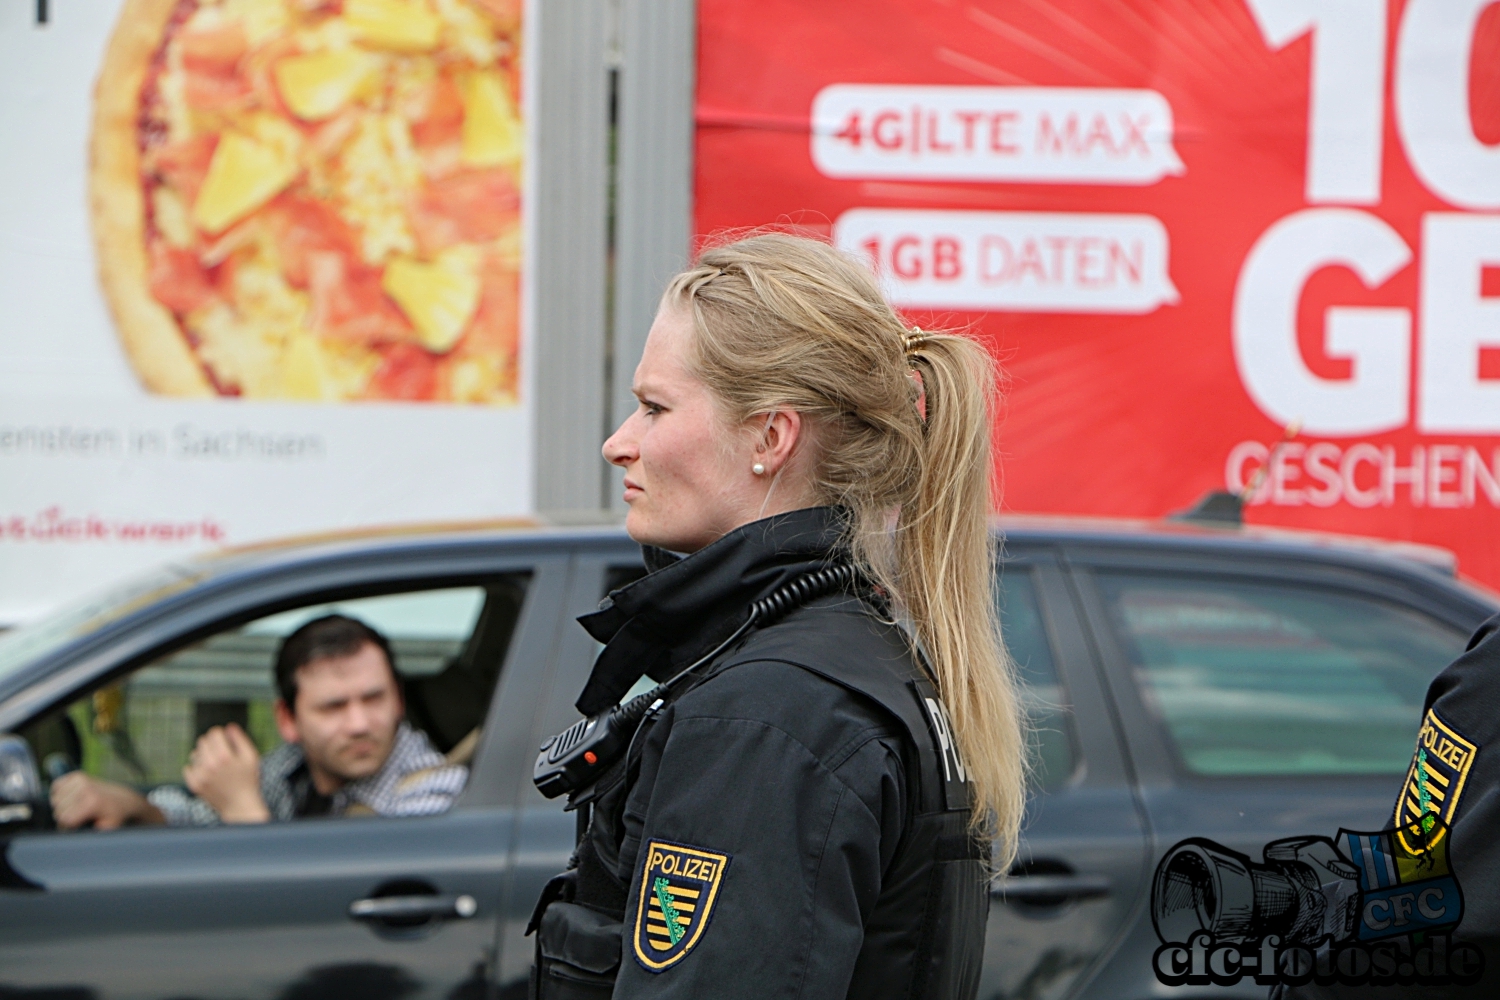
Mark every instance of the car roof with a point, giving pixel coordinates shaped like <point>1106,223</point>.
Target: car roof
<point>1016,529</point>
<point>1180,533</point>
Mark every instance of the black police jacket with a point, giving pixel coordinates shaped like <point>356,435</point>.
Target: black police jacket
<point>1459,742</point>
<point>794,822</point>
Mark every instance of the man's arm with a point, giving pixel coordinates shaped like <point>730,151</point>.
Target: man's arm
<point>224,771</point>
<point>79,799</point>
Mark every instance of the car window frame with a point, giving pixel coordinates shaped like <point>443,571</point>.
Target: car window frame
<point>286,587</point>
<point>1032,562</point>
<point>1101,756</point>
<point>1152,747</point>
<point>574,653</point>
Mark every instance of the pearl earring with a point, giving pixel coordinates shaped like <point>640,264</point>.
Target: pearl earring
<point>758,469</point>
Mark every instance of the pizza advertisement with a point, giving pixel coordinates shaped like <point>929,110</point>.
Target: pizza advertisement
<point>264,265</point>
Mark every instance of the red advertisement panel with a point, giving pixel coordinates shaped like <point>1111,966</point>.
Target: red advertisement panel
<point>1190,230</point>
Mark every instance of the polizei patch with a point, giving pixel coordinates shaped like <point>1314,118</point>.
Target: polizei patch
<point>1434,782</point>
<point>678,887</point>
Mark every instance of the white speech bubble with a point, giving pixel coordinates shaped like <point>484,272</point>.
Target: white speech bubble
<point>1071,262</point>
<point>1057,135</point>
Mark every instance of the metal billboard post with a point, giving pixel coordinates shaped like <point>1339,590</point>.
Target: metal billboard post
<point>605,69</point>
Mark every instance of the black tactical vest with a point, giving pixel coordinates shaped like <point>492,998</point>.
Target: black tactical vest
<point>928,925</point>
<point>925,937</point>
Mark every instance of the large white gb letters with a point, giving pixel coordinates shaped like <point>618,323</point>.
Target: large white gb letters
<point>1457,323</point>
<point>1376,340</point>
<point>1434,51</point>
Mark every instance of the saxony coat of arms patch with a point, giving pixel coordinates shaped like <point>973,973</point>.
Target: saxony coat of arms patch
<point>679,886</point>
<point>1434,783</point>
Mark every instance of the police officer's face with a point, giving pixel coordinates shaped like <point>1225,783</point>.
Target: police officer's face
<point>688,473</point>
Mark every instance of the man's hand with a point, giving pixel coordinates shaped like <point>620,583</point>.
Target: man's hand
<point>79,799</point>
<point>224,771</point>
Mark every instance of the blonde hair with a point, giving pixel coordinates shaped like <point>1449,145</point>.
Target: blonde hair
<point>789,323</point>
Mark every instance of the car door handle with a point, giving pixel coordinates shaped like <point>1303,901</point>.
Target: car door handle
<point>1049,888</point>
<point>411,908</point>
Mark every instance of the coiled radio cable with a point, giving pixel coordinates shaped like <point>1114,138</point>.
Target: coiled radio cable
<point>575,757</point>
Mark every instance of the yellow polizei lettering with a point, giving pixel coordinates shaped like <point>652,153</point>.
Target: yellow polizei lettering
<point>1454,755</point>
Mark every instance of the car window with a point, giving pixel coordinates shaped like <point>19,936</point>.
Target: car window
<point>426,628</point>
<point>1052,729</point>
<point>448,645</point>
<point>1253,678</point>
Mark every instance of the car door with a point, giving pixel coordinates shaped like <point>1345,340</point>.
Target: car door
<point>1056,915</point>
<point>545,833</point>
<point>1262,700</point>
<point>369,907</point>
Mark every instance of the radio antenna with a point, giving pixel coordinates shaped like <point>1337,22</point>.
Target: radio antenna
<point>1292,430</point>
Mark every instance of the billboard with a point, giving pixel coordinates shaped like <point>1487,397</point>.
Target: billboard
<point>1250,245</point>
<point>263,266</point>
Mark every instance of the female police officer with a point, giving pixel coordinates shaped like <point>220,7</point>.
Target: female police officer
<point>808,812</point>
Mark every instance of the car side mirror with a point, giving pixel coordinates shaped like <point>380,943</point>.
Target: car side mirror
<point>20,781</point>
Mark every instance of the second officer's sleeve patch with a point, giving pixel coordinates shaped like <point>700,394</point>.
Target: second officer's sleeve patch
<point>1435,781</point>
<point>679,886</point>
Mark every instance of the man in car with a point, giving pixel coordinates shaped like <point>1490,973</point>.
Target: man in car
<point>348,749</point>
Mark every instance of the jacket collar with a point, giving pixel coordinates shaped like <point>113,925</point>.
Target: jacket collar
<point>685,606</point>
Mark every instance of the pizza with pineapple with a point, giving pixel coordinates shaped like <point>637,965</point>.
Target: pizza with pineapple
<point>313,199</point>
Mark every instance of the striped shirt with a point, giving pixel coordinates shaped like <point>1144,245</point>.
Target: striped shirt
<point>415,780</point>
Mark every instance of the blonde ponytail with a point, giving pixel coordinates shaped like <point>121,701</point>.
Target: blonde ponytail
<point>784,322</point>
<point>944,575</point>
